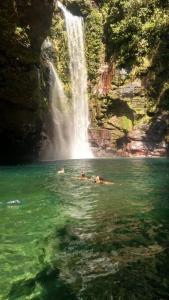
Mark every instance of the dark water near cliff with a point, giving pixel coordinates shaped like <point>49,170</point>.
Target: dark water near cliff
<point>71,239</point>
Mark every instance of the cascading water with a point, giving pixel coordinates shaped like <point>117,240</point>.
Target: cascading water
<point>60,147</point>
<point>58,144</point>
<point>59,127</point>
<point>77,66</point>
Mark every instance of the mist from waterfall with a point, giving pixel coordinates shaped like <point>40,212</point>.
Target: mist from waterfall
<point>78,72</point>
<point>60,138</point>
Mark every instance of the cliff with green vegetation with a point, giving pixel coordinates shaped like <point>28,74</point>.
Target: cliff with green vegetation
<point>127,45</point>
<point>136,43</point>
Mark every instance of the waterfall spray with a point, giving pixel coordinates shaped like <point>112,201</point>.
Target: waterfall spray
<point>60,129</point>
<point>60,116</point>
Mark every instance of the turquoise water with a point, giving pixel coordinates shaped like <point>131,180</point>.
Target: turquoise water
<point>63,238</point>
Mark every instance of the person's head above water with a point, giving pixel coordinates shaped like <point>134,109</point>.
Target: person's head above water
<point>99,179</point>
<point>83,174</point>
<point>61,171</point>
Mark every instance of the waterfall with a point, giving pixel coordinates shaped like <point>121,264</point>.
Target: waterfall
<point>60,147</point>
<point>78,72</point>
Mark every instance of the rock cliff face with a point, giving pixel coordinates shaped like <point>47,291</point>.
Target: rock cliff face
<point>23,27</point>
<point>136,126</point>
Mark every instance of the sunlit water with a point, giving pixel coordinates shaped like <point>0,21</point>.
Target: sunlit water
<point>65,238</point>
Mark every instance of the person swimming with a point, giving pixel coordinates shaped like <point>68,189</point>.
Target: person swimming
<point>61,171</point>
<point>101,180</point>
<point>83,176</point>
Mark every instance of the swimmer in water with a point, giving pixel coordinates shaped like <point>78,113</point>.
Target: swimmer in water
<point>83,176</point>
<point>101,180</point>
<point>61,171</point>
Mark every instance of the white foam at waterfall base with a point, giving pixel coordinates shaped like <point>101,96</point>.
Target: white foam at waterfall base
<point>78,72</point>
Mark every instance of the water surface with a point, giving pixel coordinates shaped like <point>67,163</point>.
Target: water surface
<point>64,238</point>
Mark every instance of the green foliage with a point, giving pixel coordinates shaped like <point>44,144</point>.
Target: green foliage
<point>134,27</point>
<point>59,41</point>
<point>94,44</point>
